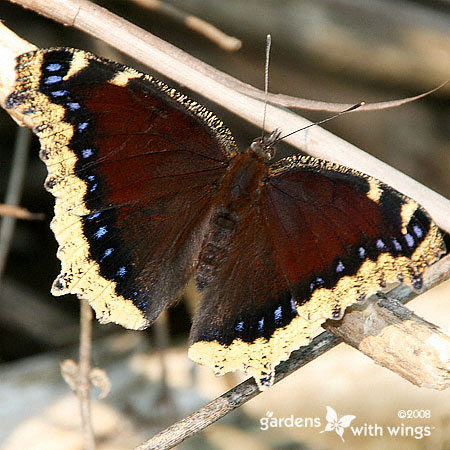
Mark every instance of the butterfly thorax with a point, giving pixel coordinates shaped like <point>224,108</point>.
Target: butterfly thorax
<point>239,192</point>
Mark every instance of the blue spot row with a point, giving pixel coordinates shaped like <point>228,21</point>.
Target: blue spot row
<point>381,245</point>
<point>87,152</point>
<point>105,246</point>
<point>409,240</point>
<point>53,67</point>
<point>93,186</point>
<point>52,79</point>
<point>107,253</point>
<point>122,271</point>
<point>82,126</point>
<point>73,106</point>
<point>340,267</point>
<point>277,315</point>
<point>59,93</point>
<point>418,231</point>
<point>100,232</point>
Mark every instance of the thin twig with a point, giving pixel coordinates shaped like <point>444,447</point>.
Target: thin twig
<point>235,397</point>
<point>289,101</point>
<point>33,317</point>
<point>228,43</point>
<point>84,368</point>
<point>165,58</point>
<point>19,213</point>
<point>14,192</point>
<point>161,345</point>
<point>215,85</point>
<point>437,343</point>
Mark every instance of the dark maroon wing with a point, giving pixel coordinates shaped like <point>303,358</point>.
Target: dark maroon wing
<point>133,165</point>
<point>320,238</point>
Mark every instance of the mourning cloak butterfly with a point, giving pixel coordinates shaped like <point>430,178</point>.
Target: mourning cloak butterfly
<point>151,191</point>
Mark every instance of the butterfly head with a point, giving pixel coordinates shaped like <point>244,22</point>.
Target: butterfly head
<point>264,146</point>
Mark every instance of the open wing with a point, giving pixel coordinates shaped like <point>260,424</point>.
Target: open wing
<point>320,238</point>
<point>133,165</point>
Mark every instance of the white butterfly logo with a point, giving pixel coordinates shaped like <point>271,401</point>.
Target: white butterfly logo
<point>338,425</point>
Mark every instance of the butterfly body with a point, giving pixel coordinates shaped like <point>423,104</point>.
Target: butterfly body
<point>152,191</point>
<point>239,191</point>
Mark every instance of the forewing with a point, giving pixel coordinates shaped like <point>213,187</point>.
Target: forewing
<point>133,165</point>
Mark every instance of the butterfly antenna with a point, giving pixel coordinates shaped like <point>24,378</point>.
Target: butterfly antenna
<point>352,108</point>
<point>266,81</point>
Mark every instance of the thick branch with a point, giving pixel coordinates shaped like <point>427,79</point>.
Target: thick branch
<point>396,338</point>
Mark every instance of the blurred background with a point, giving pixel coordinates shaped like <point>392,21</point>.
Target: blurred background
<point>337,51</point>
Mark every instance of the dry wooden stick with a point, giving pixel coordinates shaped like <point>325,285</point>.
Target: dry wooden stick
<point>14,193</point>
<point>83,387</point>
<point>162,341</point>
<point>215,85</point>
<point>399,340</point>
<point>289,101</point>
<point>423,346</point>
<point>228,43</point>
<point>19,213</point>
<point>80,376</point>
<point>94,20</point>
<point>242,393</point>
<point>396,338</point>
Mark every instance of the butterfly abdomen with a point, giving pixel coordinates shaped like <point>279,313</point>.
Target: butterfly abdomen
<point>221,229</point>
<point>239,190</point>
